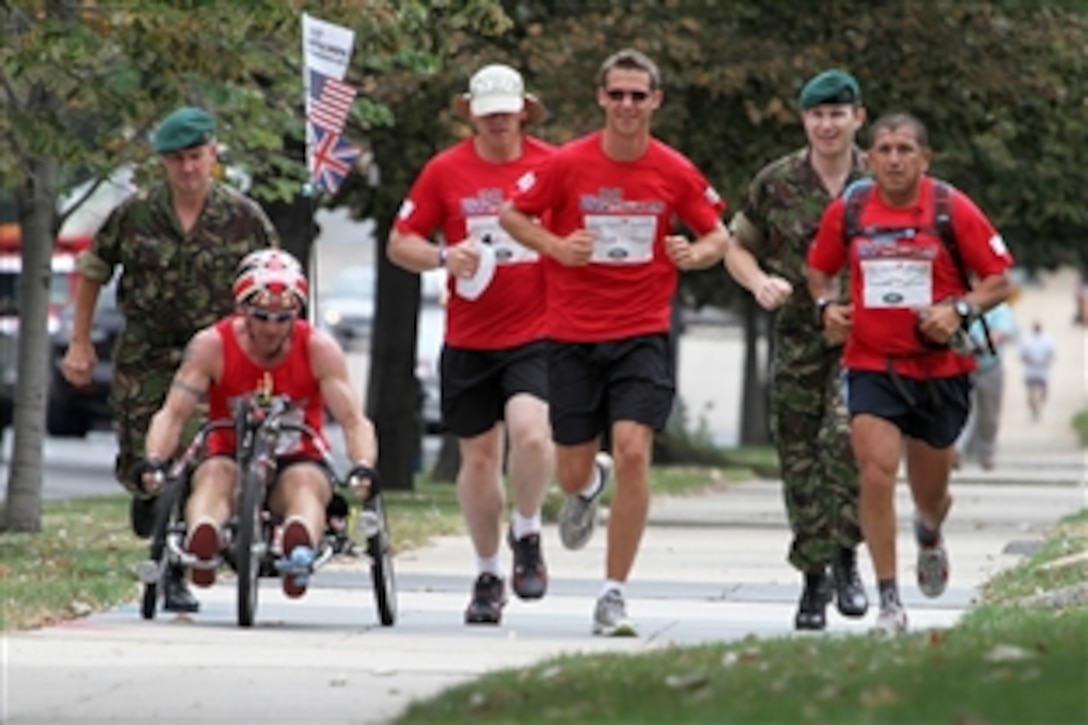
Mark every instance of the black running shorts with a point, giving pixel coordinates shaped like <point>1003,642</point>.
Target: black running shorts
<point>593,385</point>
<point>477,383</point>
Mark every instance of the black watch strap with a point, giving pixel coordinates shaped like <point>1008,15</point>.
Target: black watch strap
<point>821,307</point>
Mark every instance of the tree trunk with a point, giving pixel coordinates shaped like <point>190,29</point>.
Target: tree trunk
<point>36,202</point>
<point>294,222</point>
<point>754,422</point>
<point>393,391</point>
<point>448,462</point>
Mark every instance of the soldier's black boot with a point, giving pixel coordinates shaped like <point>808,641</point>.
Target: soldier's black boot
<point>812,609</point>
<point>849,591</point>
<point>176,594</point>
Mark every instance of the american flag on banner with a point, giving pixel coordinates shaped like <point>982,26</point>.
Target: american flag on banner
<point>329,102</point>
<point>331,158</point>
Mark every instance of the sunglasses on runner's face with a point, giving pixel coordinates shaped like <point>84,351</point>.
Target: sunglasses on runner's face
<point>265,316</point>
<point>618,94</point>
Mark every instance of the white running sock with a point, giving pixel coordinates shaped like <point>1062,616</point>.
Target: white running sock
<point>594,486</point>
<point>489,565</point>
<point>611,585</point>
<point>525,525</point>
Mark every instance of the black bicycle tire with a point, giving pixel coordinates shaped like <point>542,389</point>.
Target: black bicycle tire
<point>248,534</point>
<point>381,565</point>
<point>164,509</point>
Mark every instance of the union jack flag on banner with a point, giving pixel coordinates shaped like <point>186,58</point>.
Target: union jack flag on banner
<point>331,158</point>
<point>329,102</point>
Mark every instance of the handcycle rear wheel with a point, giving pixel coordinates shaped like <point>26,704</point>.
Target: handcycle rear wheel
<point>249,544</point>
<point>381,563</point>
<point>166,513</point>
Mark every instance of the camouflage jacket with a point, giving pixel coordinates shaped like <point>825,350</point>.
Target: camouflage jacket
<point>172,283</point>
<point>778,222</point>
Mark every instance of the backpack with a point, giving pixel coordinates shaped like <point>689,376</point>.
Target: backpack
<point>857,195</point>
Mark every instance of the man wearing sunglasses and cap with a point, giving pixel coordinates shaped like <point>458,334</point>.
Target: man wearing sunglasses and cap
<point>766,255</point>
<point>177,243</point>
<point>265,343</point>
<point>493,376</point>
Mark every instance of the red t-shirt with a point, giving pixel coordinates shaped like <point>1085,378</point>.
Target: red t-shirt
<point>463,194</point>
<point>892,276</point>
<point>292,377</point>
<point>627,288</point>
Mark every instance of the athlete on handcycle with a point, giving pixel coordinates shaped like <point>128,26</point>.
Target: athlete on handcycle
<point>265,344</point>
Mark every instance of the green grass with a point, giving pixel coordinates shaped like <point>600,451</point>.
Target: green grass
<point>85,557</point>
<point>1080,424</point>
<point>1005,662</point>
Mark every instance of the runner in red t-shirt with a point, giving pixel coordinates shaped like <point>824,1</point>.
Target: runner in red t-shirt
<point>611,268</point>
<point>909,299</point>
<point>264,344</point>
<point>494,368</point>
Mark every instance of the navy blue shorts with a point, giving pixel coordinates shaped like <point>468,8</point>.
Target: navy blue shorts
<point>593,385</point>
<point>477,383</point>
<point>933,411</point>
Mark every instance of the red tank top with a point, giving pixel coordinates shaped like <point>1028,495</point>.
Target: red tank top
<point>292,377</point>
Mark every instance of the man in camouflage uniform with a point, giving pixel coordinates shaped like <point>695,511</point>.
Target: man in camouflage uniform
<point>178,244</point>
<point>772,232</point>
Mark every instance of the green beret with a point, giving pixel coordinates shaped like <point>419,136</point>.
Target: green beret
<point>183,129</point>
<point>831,86</point>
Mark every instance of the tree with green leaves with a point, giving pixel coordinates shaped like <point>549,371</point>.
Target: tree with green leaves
<point>82,82</point>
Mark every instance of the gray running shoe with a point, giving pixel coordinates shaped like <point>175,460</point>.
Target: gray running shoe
<point>932,566</point>
<point>578,517</point>
<point>892,619</point>
<point>610,617</point>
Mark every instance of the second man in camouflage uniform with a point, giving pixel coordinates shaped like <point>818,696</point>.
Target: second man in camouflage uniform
<point>178,244</point>
<point>808,417</point>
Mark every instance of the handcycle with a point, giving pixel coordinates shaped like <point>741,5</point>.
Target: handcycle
<point>260,421</point>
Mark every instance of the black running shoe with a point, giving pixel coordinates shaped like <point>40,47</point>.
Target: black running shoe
<point>488,599</point>
<point>530,572</point>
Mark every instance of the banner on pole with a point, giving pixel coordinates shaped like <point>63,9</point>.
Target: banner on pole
<point>326,55</point>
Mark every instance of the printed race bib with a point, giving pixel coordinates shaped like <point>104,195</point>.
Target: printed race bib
<point>290,442</point>
<point>506,250</point>
<point>622,238</point>
<point>892,283</point>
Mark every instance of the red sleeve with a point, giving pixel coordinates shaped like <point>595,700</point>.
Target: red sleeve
<point>827,253</point>
<point>532,192</point>
<point>422,212</point>
<point>700,205</point>
<point>980,245</point>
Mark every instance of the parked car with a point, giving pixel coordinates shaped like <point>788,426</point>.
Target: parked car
<point>430,334</point>
<point>347,309</point>
<point>60,287</point>
<point>70,411</point>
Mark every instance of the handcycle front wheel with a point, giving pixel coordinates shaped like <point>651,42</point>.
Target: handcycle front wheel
<point>249,544</point>
<point>380,550</point>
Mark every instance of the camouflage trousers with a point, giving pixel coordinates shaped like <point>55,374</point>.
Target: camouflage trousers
<point>820,481</point>
<point>142,375</point>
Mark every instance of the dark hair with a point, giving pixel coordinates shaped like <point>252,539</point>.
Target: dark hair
<point>897,120</point>
<point>630,59</point>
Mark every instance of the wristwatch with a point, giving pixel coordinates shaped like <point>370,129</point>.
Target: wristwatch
<point>821,306</point>
<point>966,310</point>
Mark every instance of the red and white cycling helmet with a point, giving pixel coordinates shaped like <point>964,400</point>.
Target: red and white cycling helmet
<point>269,275</point>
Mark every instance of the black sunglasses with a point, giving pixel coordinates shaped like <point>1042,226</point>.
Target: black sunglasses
<point>618,94</point>
<point>265,316</point>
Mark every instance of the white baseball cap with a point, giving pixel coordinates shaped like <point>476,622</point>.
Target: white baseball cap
<point>498,88</point>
